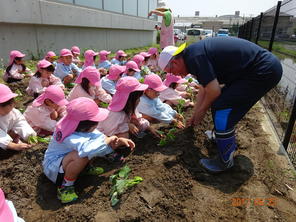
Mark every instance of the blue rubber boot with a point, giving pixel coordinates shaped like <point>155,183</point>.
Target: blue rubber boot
<point>226,147</point>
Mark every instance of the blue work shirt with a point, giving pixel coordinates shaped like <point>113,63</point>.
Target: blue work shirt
<point>62,70</point>
<point>106,64</point>
<point>226,59</point>
<point>156,109</point>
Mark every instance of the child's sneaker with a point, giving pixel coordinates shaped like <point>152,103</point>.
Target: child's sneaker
<point>67,194</point>
<point>93,171</point>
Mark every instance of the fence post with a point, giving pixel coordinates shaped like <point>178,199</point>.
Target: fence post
<point>251,29</point>
<point>290,127</point>
<point>259,28</point>
<point>276,18</point>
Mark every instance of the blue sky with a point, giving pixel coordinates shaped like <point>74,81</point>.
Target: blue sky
<point>219,7</point>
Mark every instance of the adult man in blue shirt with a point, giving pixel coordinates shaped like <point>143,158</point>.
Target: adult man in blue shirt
<point>247,72</point>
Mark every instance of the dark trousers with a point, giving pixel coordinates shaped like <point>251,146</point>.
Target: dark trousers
<point>238,97</point>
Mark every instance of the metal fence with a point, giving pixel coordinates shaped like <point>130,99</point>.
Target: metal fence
<point>275,30</point>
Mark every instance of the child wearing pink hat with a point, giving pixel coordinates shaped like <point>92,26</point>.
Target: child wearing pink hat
<point>13,125</point>
<point>133,70</point>
<point>152,108</point>
<point>51,57</point>
<point>16,69</point>
<point>75,142</point>
<point>123,116</point>
<point>89,58</point>
<point>7,210</point>
<point>139,60</point>
<point>170,95</point>
<point>144,68</point>
<point>46,109</point>
<point>153,60</point>
<point>88,85</point>
<point>119,58</point>
<point>66,70</point>
<point>76,53</point>
<point>43,78</point>
<point>109,82</point>
<point>104,61</point>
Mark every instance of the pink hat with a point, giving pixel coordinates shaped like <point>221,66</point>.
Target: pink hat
<point>120,53</point>
<point>92,74</point>
<point>54,93</point>
<point>89,57</point>
<point>145,54</point>
<point>132,65</point>
<point>5,212</point>
<point>154,82</point>
<point>6,94</point>
<point>42,64</point>
<point>50,54</point>
<point>153,51</point>
<point>138,59</point>
<point>78,109</point>
<point>65,52</point>
<point>115,71</point>
<point>15,54</point>
<point>170,78</point>
<point>75,49</point>
<point>103,55</point>
<point>124,87</point>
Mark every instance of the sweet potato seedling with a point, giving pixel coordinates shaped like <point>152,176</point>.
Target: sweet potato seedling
<point>38,139</point>
<point>120,183</point>
<point>167,138</point>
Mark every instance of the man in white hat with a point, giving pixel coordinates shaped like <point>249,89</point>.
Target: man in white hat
<point>248,73</point>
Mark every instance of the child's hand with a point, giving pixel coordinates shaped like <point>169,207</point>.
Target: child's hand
<point>155,132</point>
<point>112,141</point>
<point>54,115</point>
<point>18,146</point>
<point>44,82</point>
<point>125,142</point>
<point>178,124</point>
<point>133,129</point>
<point>180,117</point>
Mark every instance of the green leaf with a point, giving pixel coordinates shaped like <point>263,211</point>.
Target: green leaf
<point>162,142</point>
<point>32,140</point>
<point>43,140</point>
<point>121,186</point>
<point>141,80</point>
<point>190,80</point>
<point>123,173</point>
<point>113,178</point>
<point>104,105</point>
<point>114,199</point>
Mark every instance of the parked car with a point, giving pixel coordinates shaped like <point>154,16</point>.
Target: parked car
<point>223,32</point>
<point>194,34</point>
<point>179,35</point>
<point>208,33</point>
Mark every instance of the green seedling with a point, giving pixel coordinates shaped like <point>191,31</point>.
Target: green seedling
<point>20,94</point>
<point>38,139</point>
<point>104,105</point>
<point>168,138</point>
<point>22,110</point>
<point>141,80</point>
<point>120,183</point>
<point>180,106</point>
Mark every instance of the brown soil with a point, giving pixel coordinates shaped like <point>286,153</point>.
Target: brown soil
<point>175,187</point>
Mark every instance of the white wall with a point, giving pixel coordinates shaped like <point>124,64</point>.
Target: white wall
<point>36,25</point>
